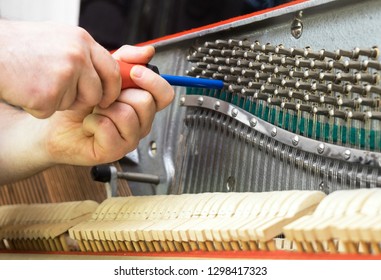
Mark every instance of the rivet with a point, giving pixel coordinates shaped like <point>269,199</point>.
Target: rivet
<point>320,148</point>
<point>200,100</point>
<point>273,132</point>
<point>217,105</point>
<point>253,122</point>
<point>297,26</point>
<point>347,154</point>
<point>295,140</point>
<point>234,112</point>
<point>182,101</point>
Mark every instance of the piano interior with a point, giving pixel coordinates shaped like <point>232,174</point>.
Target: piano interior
<point>282,162</point>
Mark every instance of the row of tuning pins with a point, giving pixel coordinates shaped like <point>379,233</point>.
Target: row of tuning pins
<point>245,45</point>
<point>225,64</point>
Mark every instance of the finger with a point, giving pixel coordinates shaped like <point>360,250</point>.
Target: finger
<point>39,114</point>
<point>125,120</point>
<point>148,80</point>
<point>47,100</point>
<point>108,71</point>
<point>90,89</point>
<point>132,54</point>
<point>143,104</point>
<point>108,143</point>
<point>68,98</point>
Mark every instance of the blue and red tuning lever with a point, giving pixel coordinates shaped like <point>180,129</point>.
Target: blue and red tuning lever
<point>125,69</point>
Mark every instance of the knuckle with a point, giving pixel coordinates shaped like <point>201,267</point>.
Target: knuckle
<point>67,71</point>
<point>116,73</point>
<point>103,123</point>
<point>42,112</point>
<point>45,105</point>
<point>76,56</point>
<point>146,100</point>
<point>125,48</point>
<point>162,93</point>
<point>77,51</point>
<point>82,34</point>
<point>126,112</point>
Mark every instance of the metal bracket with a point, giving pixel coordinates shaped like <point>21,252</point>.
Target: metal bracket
<point>109,175</point>
<point>303,143</point>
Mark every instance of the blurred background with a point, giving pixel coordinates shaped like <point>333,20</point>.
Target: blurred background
<point>116,22</point>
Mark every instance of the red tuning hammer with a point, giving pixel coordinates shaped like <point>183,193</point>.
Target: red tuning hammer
<point>125,69</point>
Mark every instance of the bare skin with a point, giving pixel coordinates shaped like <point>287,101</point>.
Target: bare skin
<point>73,111</point>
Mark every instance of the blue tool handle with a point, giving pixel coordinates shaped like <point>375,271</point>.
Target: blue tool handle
<point>193,82</point>
<point>183,81</point>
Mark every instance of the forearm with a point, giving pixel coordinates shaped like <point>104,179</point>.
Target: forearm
<point>22,151</point>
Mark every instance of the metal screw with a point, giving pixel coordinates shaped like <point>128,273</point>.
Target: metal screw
<point>217,105</point>
<point>295,140</point>
<point>253,122</point>
<point>347,154</point>
<point>182,101</point>
<point>230,184</point>
<point>273,132</point>
<point>320,148</point>
<point>297,26</point>
<point>234,112</point>
<point>323,186</point>
<point>200,100</point>
<point>152,151</point>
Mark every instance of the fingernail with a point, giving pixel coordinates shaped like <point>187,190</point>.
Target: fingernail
<point>137,71</point>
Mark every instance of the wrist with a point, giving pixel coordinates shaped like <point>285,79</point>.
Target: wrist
<point>22,148</point>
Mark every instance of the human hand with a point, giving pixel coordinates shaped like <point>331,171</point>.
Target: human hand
<point>48,67</point>
<point>88,135</point>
